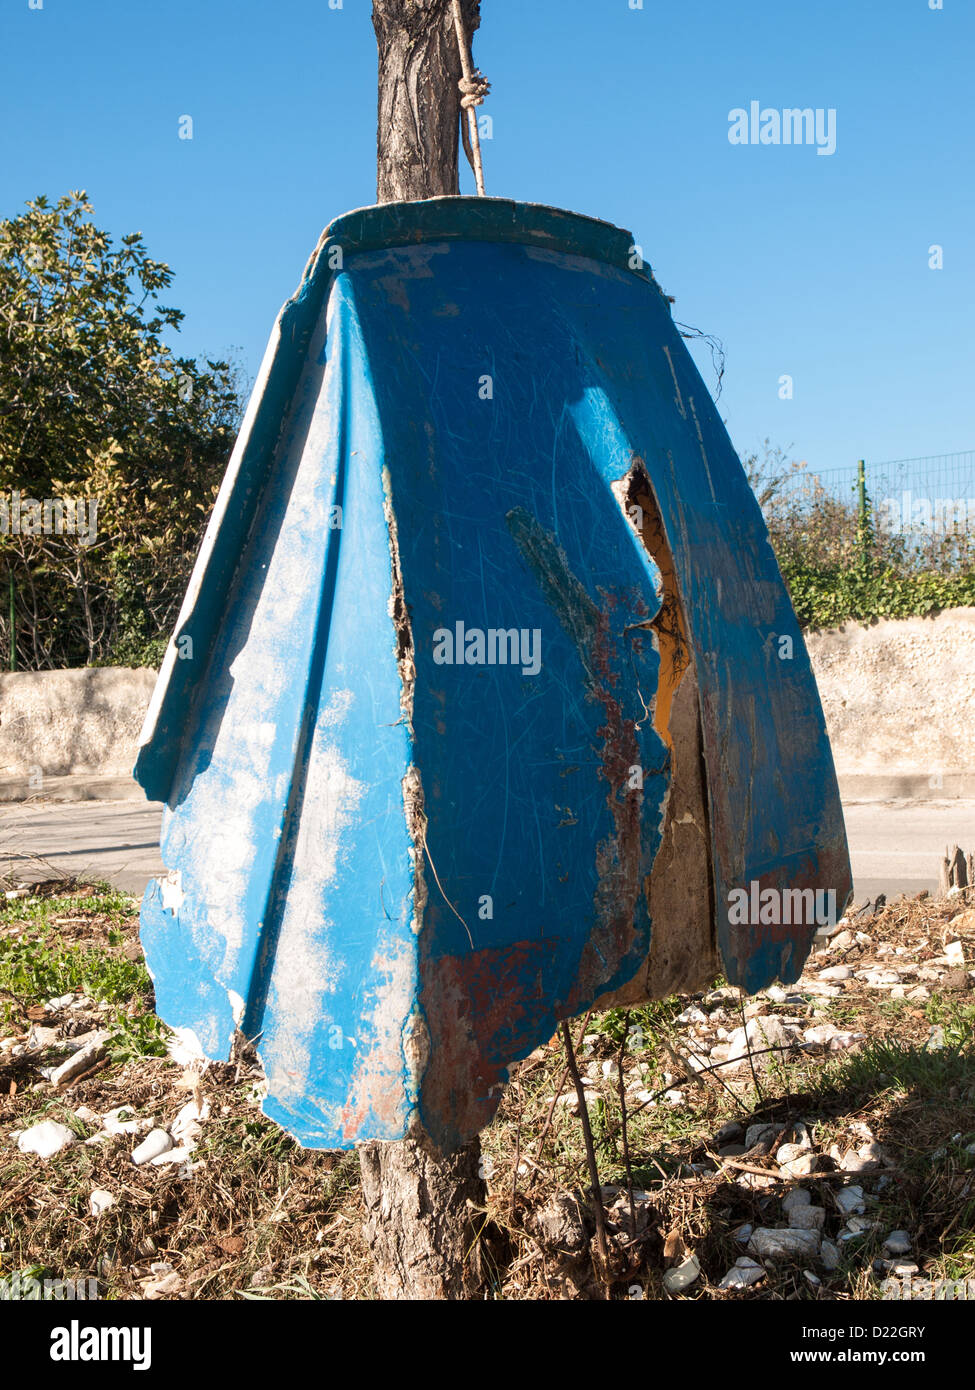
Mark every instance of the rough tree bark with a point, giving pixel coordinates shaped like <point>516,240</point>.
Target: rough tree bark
<point>419,100</point>
<point>420,1224</point>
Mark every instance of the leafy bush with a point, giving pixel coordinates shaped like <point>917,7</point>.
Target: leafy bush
<point>839,566</point>
<point>96,408</point>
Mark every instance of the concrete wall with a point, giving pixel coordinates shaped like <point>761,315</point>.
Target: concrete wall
<point>899,698</point>
<point>65,730</point>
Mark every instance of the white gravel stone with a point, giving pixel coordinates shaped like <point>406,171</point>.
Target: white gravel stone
<point>788,1153</point>
<point>727,994</point>
<point>743,1273</point>
<point>797,1198</point>
<point>187,1126</point>
<point>754,1181</point>
<point>881,979</point>
<point>682,1276</point>
<point>807,1218</point>
<point>841,940</point>
<point>837,972</point>
<point>177,1155</point>
<point>852,1163</point>
<point>691,1015</point>
<point>131,1124</point>
<point>802,1166</point>
<point>821,1034</point>
<point>46,1139</point>
<point>786,1244</point>
<point>84,1058</point>
<point>898,1243</point>
<point>850,1200</point>
<point>100,1201</point>
<point>858,1226</point>
<point>759,1035</point>
<point>571,1101</point>
<point>156,1142</point>
<point>166,1283</point>
<point>829,1253</point>
<point>60,1002</point>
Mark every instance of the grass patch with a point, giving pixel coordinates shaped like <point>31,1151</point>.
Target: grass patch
<point>46,951</point>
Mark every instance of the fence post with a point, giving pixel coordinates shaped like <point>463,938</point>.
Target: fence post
<point>864,536</point>
<point>13,628</point>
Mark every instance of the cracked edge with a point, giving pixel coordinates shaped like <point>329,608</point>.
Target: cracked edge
<point>416,1041</point>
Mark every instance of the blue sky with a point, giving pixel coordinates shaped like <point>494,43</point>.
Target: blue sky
<point>802,264</point>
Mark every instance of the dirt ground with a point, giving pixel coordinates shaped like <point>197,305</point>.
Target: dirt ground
<point>707,1112</point>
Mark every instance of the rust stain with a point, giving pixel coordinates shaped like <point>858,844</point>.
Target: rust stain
<point>481,1008</point>
<point>378,1084</point>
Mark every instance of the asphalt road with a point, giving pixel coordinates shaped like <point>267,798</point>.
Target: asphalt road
<point>113,840</point>
<point>895,846</point>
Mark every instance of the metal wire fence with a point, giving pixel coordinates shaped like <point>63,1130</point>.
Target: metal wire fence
<point>917,495</point>
<point>915,514</point>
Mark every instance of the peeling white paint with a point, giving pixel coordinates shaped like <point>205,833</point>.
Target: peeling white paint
<point>185,1047</point>
<point>388,1072</point>
<point>406,262</point>
<point>229,797</point>
<point>171,891</point>
<point>306,970</point>
<point>580,265</point>
<point>236,1006</point>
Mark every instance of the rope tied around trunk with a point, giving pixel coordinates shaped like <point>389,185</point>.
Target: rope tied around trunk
<point>474,87</point>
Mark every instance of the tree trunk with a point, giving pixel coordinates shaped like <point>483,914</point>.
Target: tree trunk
<point>419,100</point>
<point>419,1224</point>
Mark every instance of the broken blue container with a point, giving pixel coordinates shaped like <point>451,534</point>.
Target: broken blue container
<point>486,700</point>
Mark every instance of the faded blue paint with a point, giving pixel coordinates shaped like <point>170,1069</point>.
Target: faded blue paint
<point>398,874</point>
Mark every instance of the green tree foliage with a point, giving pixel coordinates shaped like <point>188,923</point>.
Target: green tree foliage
<point>94,405</point>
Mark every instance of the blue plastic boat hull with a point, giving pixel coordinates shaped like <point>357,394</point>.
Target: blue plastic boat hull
<point>482,548</point>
